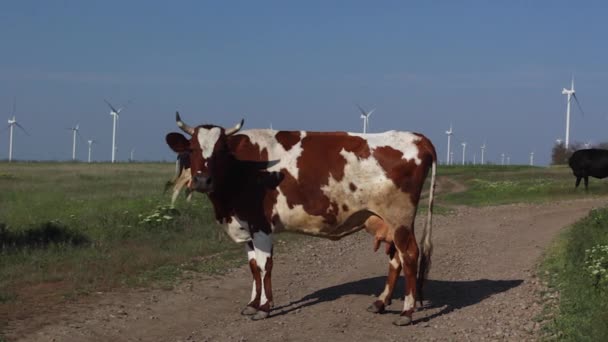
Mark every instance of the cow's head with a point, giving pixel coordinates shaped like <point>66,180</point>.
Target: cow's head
<point>212,164</point>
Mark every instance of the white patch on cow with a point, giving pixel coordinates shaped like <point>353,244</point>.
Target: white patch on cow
<point>400,141</point>
<point>408,302</point>
<point>296,218</point>
<point>384,293</point>
<point>251,256</point>
<point>238,230</point>
<point>394,263</point>
<point>265,139</point>
<point>207,138</point>
<point>263,250</point>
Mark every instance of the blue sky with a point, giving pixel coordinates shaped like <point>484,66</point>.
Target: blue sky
<point>493,69</point>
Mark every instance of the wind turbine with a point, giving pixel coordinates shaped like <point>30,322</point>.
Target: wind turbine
<point>131,157</point>
<point>449,134</point>
<point>588,144</point>
<point>115,114</point>
<point>451,158</point>
<point>532,158</point>
<point>365,116</point>
<point>11,124</point>
<point>483,150</point>
<point>91,142</point>
<point>464,148</point>
<point>570,93</point>
<point>508,160</point>
<point>74,133</point>
<point>502,159</point>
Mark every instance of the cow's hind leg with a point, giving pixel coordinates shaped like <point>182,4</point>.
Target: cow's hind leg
<point>262,244</point>
<point>254,303</point>
<point>394,268</point>
<point>586,183</point>
<point>407,248</point>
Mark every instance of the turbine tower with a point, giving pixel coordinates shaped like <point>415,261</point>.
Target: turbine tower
<point>11,125</point>
<point>531,158</point>
<point>74,133</point>
<point>451,158</point>
<point>464,148</point>
<point>502,159</point>
<point>570,93</point>
<point>91,142</point>
<point>483,150</point>
<point>365,116</point>
<point>115,114</point>
<point>449,134</point>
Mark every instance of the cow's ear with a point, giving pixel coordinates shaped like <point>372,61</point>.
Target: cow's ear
<point>178,142</point>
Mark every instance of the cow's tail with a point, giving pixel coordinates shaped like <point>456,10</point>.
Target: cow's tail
<point>426,244</point>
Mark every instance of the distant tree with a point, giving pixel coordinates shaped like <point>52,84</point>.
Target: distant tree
<point>560,154</point>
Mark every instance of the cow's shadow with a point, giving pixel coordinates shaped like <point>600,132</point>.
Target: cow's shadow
<point>447,295</point>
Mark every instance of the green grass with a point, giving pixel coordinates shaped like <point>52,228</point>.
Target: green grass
<point>492,185</point>
<point>80,227</point>
<point>581,314</point>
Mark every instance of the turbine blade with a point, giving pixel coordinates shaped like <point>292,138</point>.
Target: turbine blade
<point>111,107</point>
<point>578,104</point>
<point>14,106</point>
<point>361,109</point>
<point>370,112</point>
<point>22,128</point>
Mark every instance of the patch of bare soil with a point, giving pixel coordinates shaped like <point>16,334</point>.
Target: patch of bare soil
<point>482,287</point>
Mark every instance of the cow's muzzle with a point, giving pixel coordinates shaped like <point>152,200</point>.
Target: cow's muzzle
<point>202,183</point>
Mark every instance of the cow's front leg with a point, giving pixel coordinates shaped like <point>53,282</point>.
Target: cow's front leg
<point>262,244</point>
<point>254,303</point>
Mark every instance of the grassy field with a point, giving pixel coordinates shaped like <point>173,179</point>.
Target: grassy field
<point>67,230</point>
<point>492,185</point>
<point>579,274</point>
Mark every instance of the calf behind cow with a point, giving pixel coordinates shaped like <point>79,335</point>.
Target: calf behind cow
<point>327,184</point>
<point>590,162</point>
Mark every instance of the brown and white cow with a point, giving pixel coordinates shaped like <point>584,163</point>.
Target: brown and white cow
<point>327,184</point>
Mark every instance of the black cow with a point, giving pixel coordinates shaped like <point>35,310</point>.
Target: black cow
<point>592,162</point>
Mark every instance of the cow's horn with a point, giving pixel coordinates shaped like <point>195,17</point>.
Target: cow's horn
<point>182,125</point>
<point>236,128</point>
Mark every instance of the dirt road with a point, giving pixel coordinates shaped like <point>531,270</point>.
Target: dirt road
<point>482,287</point>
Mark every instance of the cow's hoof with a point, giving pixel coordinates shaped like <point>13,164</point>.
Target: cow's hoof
<point>260,315</point>
<point>376,307</point>
<point>403,320</point>
<point>249,310</point>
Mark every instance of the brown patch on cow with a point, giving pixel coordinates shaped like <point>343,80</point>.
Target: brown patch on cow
<point>352,187</point>
<point>267,281</point>
<point>287,139</point>
<point>405,174</point>
<point>344,207</point>
<point>319,160</point>
<point>246,150</point>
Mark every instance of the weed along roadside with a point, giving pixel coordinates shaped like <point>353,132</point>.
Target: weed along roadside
<point>97,228</point>
<point>575,270</point>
